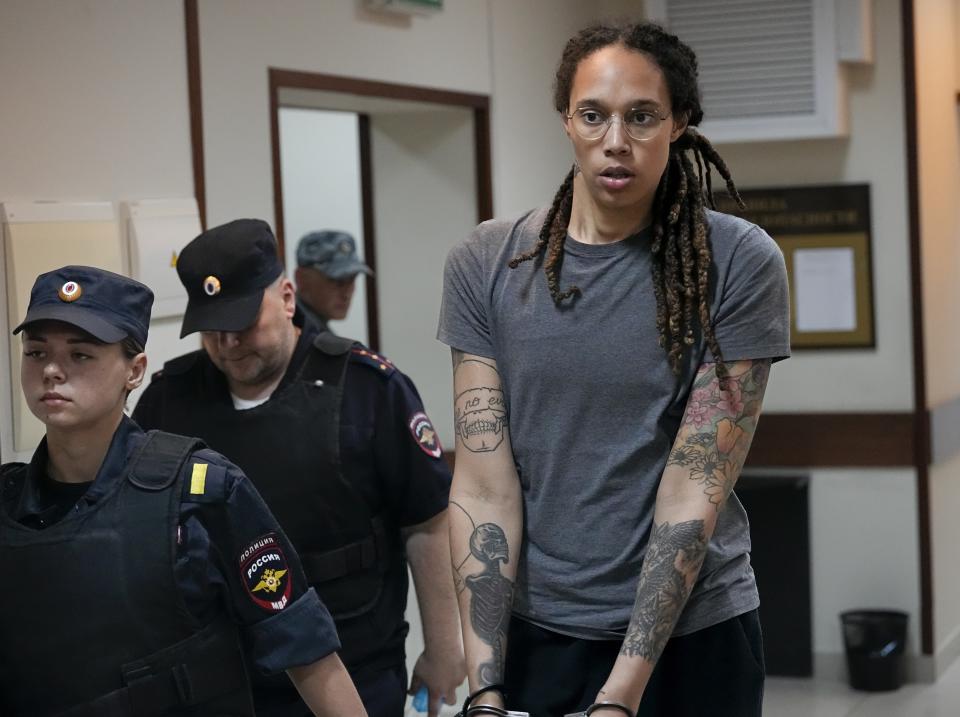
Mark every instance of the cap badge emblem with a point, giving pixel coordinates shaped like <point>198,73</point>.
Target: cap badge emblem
<point>211,286</point>
<point>344,247</point>
<point>70,291</point>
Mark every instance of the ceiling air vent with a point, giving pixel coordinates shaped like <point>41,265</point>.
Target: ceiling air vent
<point>769,69</point>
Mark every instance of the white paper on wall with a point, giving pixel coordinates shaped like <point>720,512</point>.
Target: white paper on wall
<point>825,285</point>
<point>40,237</point>
<point>157,229</point>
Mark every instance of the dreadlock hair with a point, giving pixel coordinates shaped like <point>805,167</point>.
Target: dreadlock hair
<point>680,246</point>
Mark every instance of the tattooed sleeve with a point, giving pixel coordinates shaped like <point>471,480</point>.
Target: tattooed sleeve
<point>674,552</point>
<point>482,568</point>
<point>718,426</point>
<point>711,447</point>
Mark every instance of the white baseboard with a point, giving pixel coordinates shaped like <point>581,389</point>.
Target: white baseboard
<point>920,668</point>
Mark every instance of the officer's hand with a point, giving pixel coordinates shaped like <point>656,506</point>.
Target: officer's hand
<point>442,675</point>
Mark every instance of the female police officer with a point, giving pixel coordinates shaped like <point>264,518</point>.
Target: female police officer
<point>136,565</point>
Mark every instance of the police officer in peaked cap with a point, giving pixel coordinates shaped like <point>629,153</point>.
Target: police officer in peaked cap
<point>337,441</point>
<point>144,574</point>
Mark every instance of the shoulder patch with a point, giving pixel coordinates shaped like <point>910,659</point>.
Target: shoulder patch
<point>265,574</point>
<point>380,363</point>
<point>425,434</point>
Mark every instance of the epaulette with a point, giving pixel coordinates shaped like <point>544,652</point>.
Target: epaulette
<point>333,345</point>
<point>180,364</point>
<point>378,362</point>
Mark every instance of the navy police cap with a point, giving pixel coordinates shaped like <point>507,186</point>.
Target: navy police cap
<point>108,306</point>
<point>225,271</point>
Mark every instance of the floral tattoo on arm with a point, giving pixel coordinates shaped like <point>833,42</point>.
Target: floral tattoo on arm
<point>718,426</point>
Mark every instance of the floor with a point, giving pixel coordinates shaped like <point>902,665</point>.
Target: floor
<point>787,697</point>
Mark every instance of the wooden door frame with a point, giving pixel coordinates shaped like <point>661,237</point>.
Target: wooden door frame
<point>294,79</point>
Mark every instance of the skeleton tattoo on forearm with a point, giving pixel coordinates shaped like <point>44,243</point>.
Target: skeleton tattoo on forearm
<point>674,556</point>
<point>491,594</point>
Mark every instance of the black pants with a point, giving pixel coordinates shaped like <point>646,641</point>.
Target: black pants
<point>383,693</point>
<point>715,672</point>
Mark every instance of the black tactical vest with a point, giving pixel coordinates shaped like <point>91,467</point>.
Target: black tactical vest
<point>290,448</point>
<point>91,618</point>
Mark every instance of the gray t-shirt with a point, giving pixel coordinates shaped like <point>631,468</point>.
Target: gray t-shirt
<point>594,408</point>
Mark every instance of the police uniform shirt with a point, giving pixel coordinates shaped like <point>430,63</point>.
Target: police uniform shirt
<point>389,450</point>
<point>388,446</point>
<point>224,528</point>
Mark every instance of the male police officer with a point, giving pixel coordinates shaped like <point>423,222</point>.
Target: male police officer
<point>326,275</point>
<point>134,562</point>
<point>336,440</point>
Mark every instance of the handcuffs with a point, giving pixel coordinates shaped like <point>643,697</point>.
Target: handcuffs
<point>598,705</point>
<point>471,710</point>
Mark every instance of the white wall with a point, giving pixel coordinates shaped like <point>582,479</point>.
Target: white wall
<point>424,195</point>
<point>94,100</point>
<point>95,107</point>
<point>503,48</point>
<point>240,40</point>
<point>878,379</point>
<point>320,170</point>
<point>863,548</point>
<point>945,537</point>
<point>939,164</point>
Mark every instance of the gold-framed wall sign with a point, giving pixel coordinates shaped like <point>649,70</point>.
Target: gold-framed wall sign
<point>824,233</point>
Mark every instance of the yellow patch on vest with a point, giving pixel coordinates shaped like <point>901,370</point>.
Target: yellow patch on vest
<point>198,481</point>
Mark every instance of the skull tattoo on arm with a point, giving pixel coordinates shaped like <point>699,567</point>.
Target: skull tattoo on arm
<point>480,416</point>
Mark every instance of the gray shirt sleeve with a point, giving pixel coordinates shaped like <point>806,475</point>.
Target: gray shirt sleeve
<point>752,309</point>
<point>464,316</point>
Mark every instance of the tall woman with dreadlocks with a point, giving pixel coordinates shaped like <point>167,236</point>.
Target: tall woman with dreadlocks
<point>610,357</point>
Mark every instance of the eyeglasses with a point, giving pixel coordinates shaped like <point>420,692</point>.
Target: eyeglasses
<point>639,124</point>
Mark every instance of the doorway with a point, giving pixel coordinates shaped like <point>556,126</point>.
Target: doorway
<point>407,168</point>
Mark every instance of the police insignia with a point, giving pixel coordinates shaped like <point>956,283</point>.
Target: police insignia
<point>264,572</point>
<point>425,434</point>
<point>70,291</point>
<point>211,285</point>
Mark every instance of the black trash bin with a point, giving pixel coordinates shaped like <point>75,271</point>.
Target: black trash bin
<point>875,641</point>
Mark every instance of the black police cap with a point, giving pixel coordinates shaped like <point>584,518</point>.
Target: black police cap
<point>108,306</point>
<point>225,271</point>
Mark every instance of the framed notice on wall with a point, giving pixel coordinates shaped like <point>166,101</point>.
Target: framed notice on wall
<point>824,233</point>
